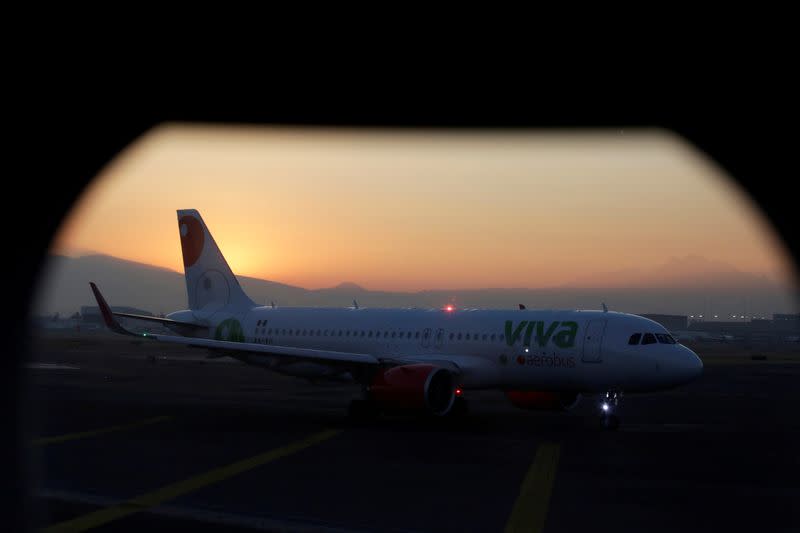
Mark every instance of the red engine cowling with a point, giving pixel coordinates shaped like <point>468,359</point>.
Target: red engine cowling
<point>415,387</point>
<point>543,401</point>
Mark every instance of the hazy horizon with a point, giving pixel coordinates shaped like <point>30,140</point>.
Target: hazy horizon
<point>64,289</point>
<point>635,278</point>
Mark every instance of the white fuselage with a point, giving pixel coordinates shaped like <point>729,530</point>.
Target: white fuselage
<point>586,351</point>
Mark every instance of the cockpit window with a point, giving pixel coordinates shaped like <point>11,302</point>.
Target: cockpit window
<point>649,338</point>
<point>635,338</point>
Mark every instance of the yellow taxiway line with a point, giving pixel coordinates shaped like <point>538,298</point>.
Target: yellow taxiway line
<point>111,429</point>
<point>530,509</point>
<point>174,490</point>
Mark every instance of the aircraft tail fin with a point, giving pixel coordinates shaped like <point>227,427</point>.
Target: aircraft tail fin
<point>210,283</point>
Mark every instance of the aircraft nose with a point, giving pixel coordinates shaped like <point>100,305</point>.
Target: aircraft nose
<point>687,366</point>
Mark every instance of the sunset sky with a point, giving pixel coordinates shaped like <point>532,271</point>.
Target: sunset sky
<point>417,210</point>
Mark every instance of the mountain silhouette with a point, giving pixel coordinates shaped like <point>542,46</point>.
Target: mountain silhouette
<point>688,285</point>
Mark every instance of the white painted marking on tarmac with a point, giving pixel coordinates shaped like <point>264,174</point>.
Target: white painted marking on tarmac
<point>51,366</point>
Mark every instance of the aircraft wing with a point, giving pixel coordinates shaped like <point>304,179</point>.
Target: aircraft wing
<point>164,321</point>
<point>476,371</point>
<point>234,348</point>
<point>227,347</point>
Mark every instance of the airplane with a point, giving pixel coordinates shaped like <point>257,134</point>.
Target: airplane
<point>420,360</point>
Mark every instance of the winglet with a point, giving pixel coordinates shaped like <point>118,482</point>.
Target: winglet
<point>108,316</point>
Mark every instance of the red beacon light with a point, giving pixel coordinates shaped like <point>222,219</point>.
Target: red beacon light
<point>459,392</point>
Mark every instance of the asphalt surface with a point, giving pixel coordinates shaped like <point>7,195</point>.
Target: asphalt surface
<point>129,436</point>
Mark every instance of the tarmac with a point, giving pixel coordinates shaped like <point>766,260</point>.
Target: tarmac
<point>129,436</point>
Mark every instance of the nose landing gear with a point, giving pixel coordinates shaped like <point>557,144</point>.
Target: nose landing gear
<point>608,408</point>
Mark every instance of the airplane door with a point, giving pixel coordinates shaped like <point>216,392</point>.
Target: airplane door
<point>426,337</point>
<point>439,339</point>
<point>592,341</point>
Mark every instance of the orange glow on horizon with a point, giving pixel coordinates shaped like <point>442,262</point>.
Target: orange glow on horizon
<point>424,210</point>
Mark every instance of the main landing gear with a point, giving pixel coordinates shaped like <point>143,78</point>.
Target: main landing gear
<point>608,408</point>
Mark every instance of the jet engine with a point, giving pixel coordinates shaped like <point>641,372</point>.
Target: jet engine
<point>543,401</point>
<point>419,387</point>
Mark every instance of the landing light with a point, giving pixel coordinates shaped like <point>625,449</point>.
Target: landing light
<point>527,350</point>
<point>449,308</point>
<point>605,406</point>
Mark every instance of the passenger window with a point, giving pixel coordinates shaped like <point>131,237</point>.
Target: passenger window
<point>385,334</point>
<point>416,335</point>
<point>394,334</point>
<point>501,337</point>
<point>452,335</point>
<point>459,336</point>
<point>484,337</point>
<point>466,337</point>
<point>340,333</point>
<point>493,336</point>
<point>635,338</point>
<point>649,338</point>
